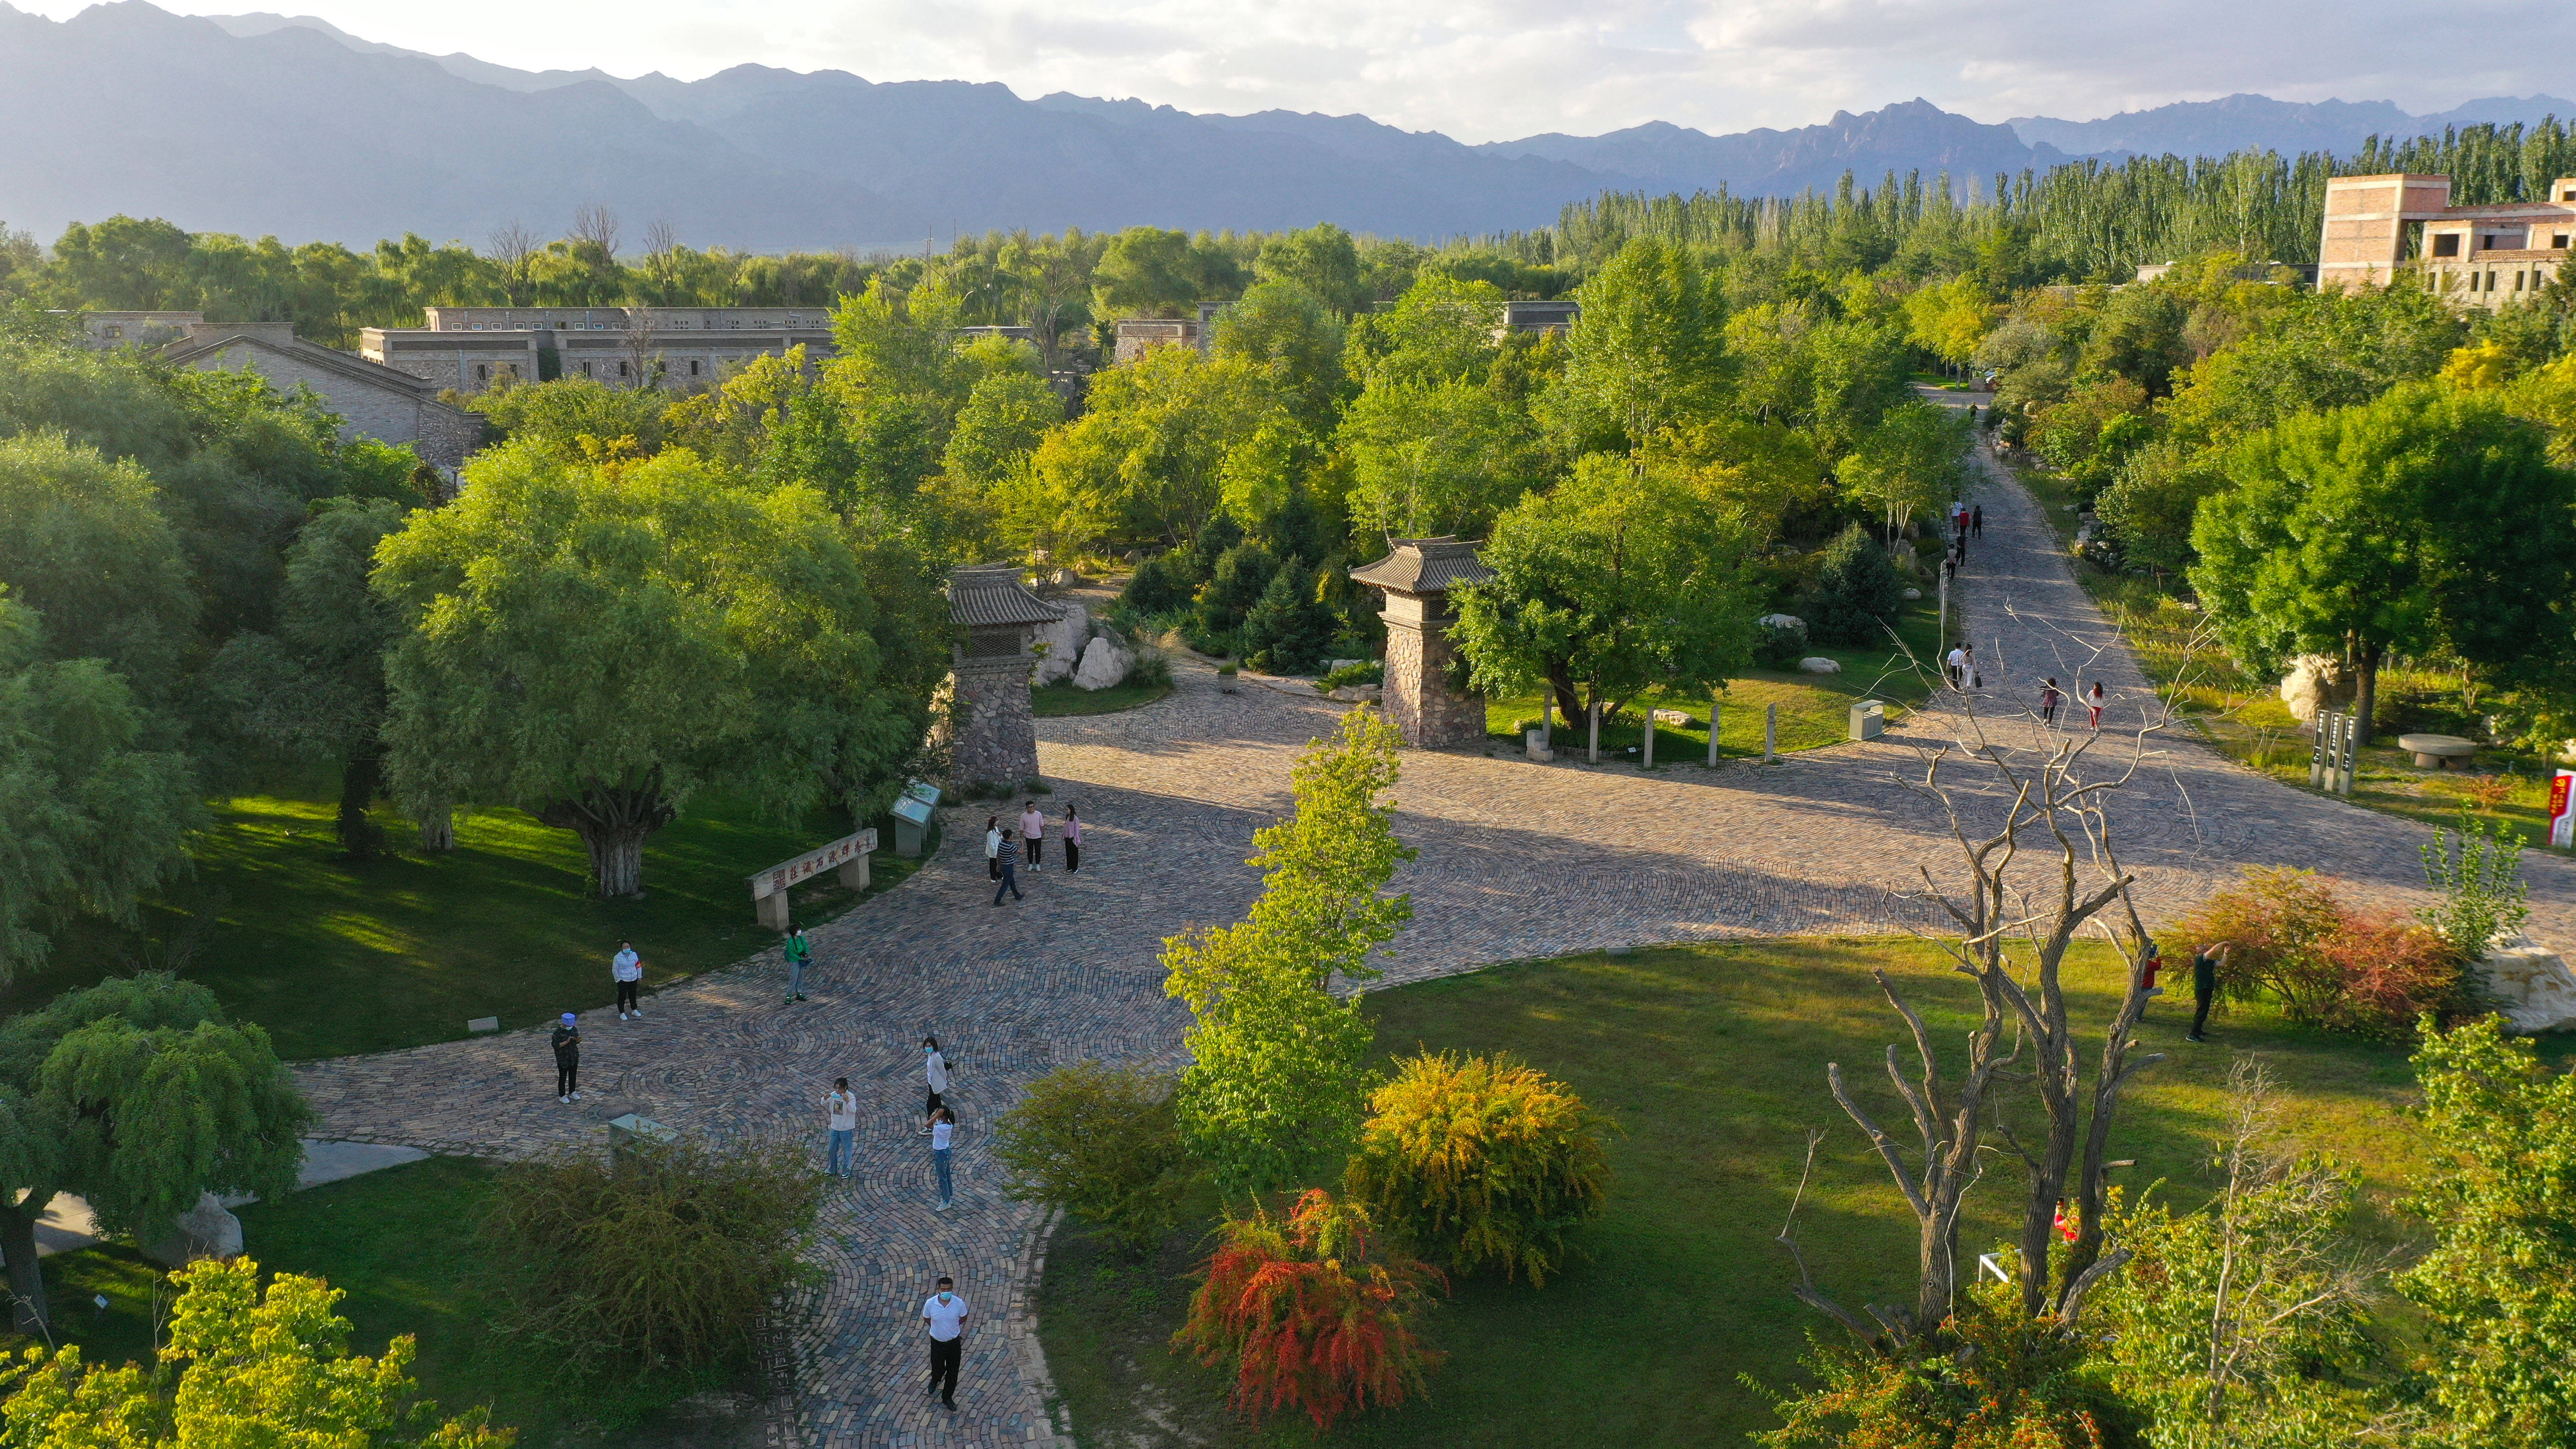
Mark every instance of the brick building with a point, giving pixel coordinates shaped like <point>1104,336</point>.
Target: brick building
<point>471,348</point>
<point>372,400</point>
<point>2481,256</point>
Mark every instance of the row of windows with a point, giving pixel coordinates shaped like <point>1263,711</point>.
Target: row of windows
<point>2447,244</point>
<point>2491,281</point>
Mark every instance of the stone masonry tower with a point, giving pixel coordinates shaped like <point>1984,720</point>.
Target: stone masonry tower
<point>995,736</point>
<point>1416,578</point>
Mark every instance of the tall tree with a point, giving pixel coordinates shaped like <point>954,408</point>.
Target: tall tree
<point>1277,326</point>
<point>1915,460</point>
<point>1649,351</point>
<point>138,1095</point>
<point>84,543</point>
<point>1322,261</point>
<point>594,644</point>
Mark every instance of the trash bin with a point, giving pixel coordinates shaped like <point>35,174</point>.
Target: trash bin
<point>1868,720</point>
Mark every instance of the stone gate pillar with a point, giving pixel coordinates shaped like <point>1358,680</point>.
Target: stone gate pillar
<point>1415,578</point>
<point>994,734</point>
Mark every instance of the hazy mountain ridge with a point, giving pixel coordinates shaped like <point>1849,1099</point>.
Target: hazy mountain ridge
<point>267,123</point>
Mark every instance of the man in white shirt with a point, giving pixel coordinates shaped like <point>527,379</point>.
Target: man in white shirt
<point>944,1314</point>
<point>841,1119</point>
<point>1958,667</point>
<point>628,969</point>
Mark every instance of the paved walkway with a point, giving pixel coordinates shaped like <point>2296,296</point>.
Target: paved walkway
<point>1517,860</point>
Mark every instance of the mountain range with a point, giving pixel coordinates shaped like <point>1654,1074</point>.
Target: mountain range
<point>269,124</point>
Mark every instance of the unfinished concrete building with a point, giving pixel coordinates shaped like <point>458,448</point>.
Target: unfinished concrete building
<point>2377,227</point>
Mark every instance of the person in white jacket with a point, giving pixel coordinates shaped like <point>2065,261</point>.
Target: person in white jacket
<point>934,1068</point>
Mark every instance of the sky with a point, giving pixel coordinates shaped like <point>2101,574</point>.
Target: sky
<point>1483,70</point>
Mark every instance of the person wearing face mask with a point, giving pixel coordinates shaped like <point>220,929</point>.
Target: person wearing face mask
<point>944,1314</point>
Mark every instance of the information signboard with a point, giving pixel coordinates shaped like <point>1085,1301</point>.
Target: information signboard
<point>812,863</point>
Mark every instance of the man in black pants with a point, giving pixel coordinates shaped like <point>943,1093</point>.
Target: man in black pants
<point>1977,521</point>
<point>2204,984</point>
<point>567,1042</point>
<point>944,1314</point>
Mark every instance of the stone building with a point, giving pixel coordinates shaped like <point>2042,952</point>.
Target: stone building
<point>1557,316</point>
<point>992,731</point>
<point>372,400</point>
<point>1416,578</point>
<point>471,348</point>
<point>2479,256</point>
<point>1140,335</point>
<point>138,329</point>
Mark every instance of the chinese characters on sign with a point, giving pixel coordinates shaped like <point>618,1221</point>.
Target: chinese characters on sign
<point>840,852</point>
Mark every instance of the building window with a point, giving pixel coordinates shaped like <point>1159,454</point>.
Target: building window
<point>482,372</point>
<point>693,367</point>
<point>621,369</point>
<point>2447,244</point>
<point>2559,241</point>
<point>2517,281</point>
<point>585,369</point>
<point>2490,281</point>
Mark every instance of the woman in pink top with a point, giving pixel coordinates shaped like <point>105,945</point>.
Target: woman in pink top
<point>1072,840</point>
<point>1033,831</point>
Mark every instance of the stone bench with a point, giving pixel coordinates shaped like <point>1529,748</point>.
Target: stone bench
<point>2435,752</point>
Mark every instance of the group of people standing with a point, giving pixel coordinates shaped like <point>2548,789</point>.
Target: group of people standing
<point>1002,863</point>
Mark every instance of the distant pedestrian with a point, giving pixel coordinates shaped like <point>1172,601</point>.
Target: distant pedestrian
<point>1950,566</point>
<point>934,1072</point>
<point>993,847</point>
<point>1961,552</point>
<point>841,1120</point>
<point>799,956</point>
<point>1977,521</point>
<point>1010,872</point>
<point>567,1043</point>
<point>2093,702</point>
<point>2204,983</point>
<point>2049,699</point>
<point>627,969</point>
<point>1976,679</point>
<point>944,1314</point>
<point>1072,840</point>
<point>943,1131</point>
<point>1033,834</point>
<point>1958,663</point>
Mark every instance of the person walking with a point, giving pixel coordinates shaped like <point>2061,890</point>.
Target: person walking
<point>1010,872</point>
<point>1975,680</point>
<point>1033,835</point>
<point>2093,702</point>
<point>1958,663</point>
<point>993,846</point>
<point>841,1120</point>
<point>567,1044</point>
<point>943,1132</point>
<point>934,1072</point>
<point>944,1314</point>
<point>1072,840</point>
<point>2049,699</point>
<point>1977,521</point>
<point>2204,984</point>
<point>627,970</point>
<point>799,956</point>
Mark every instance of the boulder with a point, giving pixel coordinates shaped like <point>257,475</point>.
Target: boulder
<point>1060,644</point>
<point>1819,664</point>
<point>1911,595</point>
<point>2530,984</point>
<point>2315,682</point>
<point>1355,693</point>
<point>1782,621</point>
<point>1104,662</point>
<point>208,1230</point>
<point>1679,719</point>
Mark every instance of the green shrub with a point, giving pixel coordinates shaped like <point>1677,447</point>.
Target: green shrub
<point>1288,631</point>
<point>661,1259</point>
<point>1150,671</point>
<point>1777,643</point>
<point>1856,593</point>
<point>1480,1161</point>
<point>1101,1143</point>
<point>1358,671</point>
<point>1163,585</point>
<point>1234,586</point>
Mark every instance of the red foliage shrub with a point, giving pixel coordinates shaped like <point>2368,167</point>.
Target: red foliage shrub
<point>1309,1320</point>
<point>2393,971</point>
<point>2369,972</point>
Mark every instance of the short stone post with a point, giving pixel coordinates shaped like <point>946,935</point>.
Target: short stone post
<point>854,873</point>
<point>1771,734</point>
<point>1713,702</point>
<point>2317,752</point>
<point>1646,755</point>
<point>1592,717</point>
<point>2351,747</point>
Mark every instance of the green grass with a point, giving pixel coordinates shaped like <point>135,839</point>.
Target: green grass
<point>1815,709</point>
<point>1058,700</point>
<point>334,958</point>
<point>402,1245</point>
<point>1712,1060</point>
<point>2241,715</point>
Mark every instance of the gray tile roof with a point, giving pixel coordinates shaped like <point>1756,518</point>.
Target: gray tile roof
<point>991,597</point>
<point>1424,566</point>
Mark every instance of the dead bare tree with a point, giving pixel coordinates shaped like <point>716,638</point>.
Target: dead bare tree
<point>594,223</point>
<point>514,247</point>
<point>642,355</point>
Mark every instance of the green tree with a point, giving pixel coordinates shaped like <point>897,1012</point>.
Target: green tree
<point>559,413</point>
<point>1856,594</point>
<point>2500,1281</point>
<point>2151,502</point>
<point>594,644</point>
<point>1914,461</point>
<point>1148,457</point>
<point>1005,418</point>
<point>89,820</point>
<point>140,1096</point>
<point>2425,519</point>
<point>1102,1143</point>
<point>1288,629</point>
<point>84,543</point>
<point>256,1368</point>
<point>1649,351</point>
<point>1430,458</point>
<point>1322,261</point>
<point>1277,326</point>
<point>1146,271</point>
<point>1622,578</point>
<point>1279,1065</point>
<point>1441,330</point>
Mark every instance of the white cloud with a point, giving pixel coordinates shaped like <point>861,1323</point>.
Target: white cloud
<point>1489,69</point>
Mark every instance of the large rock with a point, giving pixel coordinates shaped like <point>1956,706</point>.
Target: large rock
<point>1105,661</point>
<point>1060,644</point>
<point>1782,621</point>
<point>208,1230</point>
<point>2315,682</point>
<point>2530,984</point>
<point>1819,664</point>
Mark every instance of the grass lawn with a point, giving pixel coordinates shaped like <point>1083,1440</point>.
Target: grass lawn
<point>1815,709</point>
<point>2242,716</point>
<point>1711,1058</point>
<point>334,958</point>
<point>402,1244</point>
<point>1060,698</point>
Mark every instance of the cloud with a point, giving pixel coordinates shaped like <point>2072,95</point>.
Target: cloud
<point>1492,69</point>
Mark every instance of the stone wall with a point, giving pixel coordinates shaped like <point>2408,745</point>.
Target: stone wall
<point>390,415</point>
<point>1417,698</point>
<point>996,738</point>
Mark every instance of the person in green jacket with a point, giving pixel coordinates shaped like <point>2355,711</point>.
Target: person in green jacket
<point>798,953</point>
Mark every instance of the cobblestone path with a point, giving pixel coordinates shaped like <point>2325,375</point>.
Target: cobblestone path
<point>1517,860</point>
